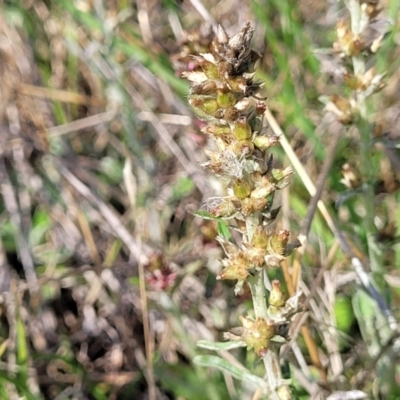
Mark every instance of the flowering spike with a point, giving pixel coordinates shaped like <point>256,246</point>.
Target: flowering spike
<point>223,92</point>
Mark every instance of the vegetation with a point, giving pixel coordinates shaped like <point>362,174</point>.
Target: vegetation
<point>111,286</point>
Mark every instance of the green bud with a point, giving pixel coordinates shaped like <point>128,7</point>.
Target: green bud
<point>217,130</point>
<point>224,209</point>
<point>242,148</point>
<point>225,98</point>
<point>210,69</point>
<point>264,142</point>
<point>279,241</point>
<point>257,334</point>
<point>276,297</point>
<point>256,256</point>
<point>280,174</point>
<point>260,238</point>
<point>241,188</point>
<point>208,105</point>
<point>235,267</point>
<point>242,129</point>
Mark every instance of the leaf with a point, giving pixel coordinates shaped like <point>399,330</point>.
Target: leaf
<point>223,230</point>
<point>238,287</point>
<point>22,348</point>
<point>278,339</point>
<point>205,215</point>
<point>189,383</point>
<point>217,346</point>
<point>226,367</point>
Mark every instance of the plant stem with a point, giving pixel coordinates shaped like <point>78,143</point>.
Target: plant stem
<point>259,295</point>
<point>359,20</point>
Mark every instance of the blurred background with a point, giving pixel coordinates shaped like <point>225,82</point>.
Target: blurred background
<point>107,280</point>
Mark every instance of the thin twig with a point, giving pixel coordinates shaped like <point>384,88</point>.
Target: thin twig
<point>11,204</point>
<point>199,6</point>
<point>312,206</point>
<point>138,253</point>
<point>349,249</point>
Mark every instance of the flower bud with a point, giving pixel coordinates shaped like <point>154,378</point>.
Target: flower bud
<point>247,206</point>
<point>238,84</point>
<point>235,267</point>
<point>280,174</point>
<point>241,188</point>
<point>264,142</point>
<point>259,204</point>
<point>276,297</point>
<point>229,114</point>
<point>206,88</point>
<point>224,69</point>
<point>242,129</point>
<point>225,98</point>
<point>278,242</point>
<point>224,209</point>
<point>208,105</point>
<point>217,130</point>
<point>273,260</point>
<point>260,238</point>
<point>263,191</point>
<point>234,272</point>
<point>282,177</point>
<point>348,43</point>
<point>242,148</point>
<point>256,256</point>
<point>209,69</point>
<point>257,334</point>
<point>343,109</point>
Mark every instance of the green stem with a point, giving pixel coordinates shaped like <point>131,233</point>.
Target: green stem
<point>359,20</point>
<point>367,173</point>
<point>259,295</point>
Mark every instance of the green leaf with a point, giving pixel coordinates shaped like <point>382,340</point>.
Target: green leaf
<point>226,367</point>
<point>217,346</point>
<point>205,215</point>
<point>223,230</point>
<point>187,383</point>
